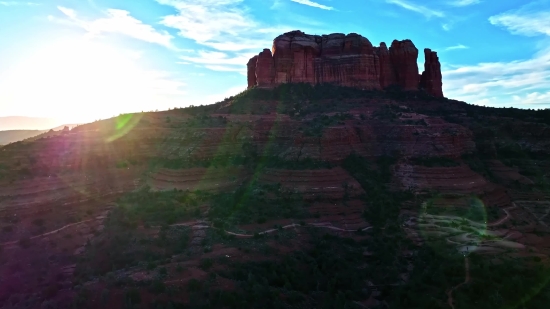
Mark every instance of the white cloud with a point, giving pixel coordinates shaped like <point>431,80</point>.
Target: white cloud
<point>18,3</point>
<point>215,23</point>
<point>427,12</point>
<point>313,4</point>
<point>530,24</point>
<point>224,25</point>
<point>533,98</point>
<point>498,79</point>
<point>121,22</point>
<point>446,26</point>
<point>459,46</point>
<point>522,81</point>
<point>464,2</point>
<point>220,61</point>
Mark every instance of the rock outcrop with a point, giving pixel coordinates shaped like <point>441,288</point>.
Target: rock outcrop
<point>347,60</point>
<point>403,55</point>
<point>431,77</point>
<point>251,71</point>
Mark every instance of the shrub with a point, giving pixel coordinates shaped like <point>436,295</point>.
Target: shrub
<point>163,271</point>
<point>194,285</point>
<point>206,264</point>
<point>132,297</point>
<point>157,286</point>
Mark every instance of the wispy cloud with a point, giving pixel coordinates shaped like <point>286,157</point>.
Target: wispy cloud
<point>533,98</point>
<point>313,4</point>
<point>225,29</point>
<point>18,3</point>
<point>531,23</point>
<point>224,25</point>
<point>214,23</point>
<point>522,81</point>
<point>427,12</point>
<point>220,61</point>
<point>499,79</point>
<point>120,22</point>
<point>458,46</point>
<point>464,2</point>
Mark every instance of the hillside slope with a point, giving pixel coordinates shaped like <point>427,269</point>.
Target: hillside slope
<point>296,197</point>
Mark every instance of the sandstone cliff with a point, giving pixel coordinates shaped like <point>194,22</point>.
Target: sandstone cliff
<point>347,60</point>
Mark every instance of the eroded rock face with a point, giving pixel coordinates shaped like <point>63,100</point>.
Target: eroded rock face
<point>387,73</point>
<point>264,69</point>
<point>431,80</point>
<point>251,71</point>
<point>403,55</point>
<point>347,60</point>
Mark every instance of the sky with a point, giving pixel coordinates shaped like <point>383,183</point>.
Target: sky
<point>83,60</point>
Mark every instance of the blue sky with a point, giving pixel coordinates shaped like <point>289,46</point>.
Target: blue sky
<point>81,60</point>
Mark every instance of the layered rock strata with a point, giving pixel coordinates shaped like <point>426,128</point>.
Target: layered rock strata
<point>347,60</point>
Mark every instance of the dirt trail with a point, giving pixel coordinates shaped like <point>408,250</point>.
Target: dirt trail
<point>466,280</point>
<point>327,225</point>
<point>502,220</point>
<point>48,233</point>
<point>321,225</point>
<point>450,300</point>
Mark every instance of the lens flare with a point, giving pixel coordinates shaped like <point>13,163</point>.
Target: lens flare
<point>461,222</point>
<point>123,125</point>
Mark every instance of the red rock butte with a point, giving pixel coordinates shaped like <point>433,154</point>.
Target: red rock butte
<point>346,60</point>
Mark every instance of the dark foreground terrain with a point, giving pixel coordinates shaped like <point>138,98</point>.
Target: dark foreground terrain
<point>297,197</point>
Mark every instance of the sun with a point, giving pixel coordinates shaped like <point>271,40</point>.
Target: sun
<point>80,80</point>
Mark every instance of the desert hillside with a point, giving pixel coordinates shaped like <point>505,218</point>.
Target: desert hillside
<point>293,196</point>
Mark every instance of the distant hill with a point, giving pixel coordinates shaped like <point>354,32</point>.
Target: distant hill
<point>27,123</point>
<point>11,136</point>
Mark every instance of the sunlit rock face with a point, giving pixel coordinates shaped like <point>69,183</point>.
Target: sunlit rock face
<point>346,60</point>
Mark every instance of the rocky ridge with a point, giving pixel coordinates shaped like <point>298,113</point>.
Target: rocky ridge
<point>346,60</point>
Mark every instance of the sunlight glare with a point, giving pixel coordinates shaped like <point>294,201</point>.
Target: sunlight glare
<point>81,81</point>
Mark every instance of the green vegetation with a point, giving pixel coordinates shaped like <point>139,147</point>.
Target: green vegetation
<point>299,100</point>
<point>158,208</point>
<point>473,210</point>
<point>122,247</point>
<point>324,276</point>
<point>255,203</point>
<point>479,166</point>
<point>434,161</point>
<point>387,112</point>
<point>316,126</point>
<point>383,206</point>
<point>205,121</point>
<point>304,267</point>
<point>249,161</point>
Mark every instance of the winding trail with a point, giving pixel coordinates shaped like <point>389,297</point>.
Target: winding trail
<point>508,216</point>
<point>450,300</point>
<point>48,233</point>
<point>320,225</point>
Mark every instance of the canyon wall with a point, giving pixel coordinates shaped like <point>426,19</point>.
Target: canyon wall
<point>347,60</point>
